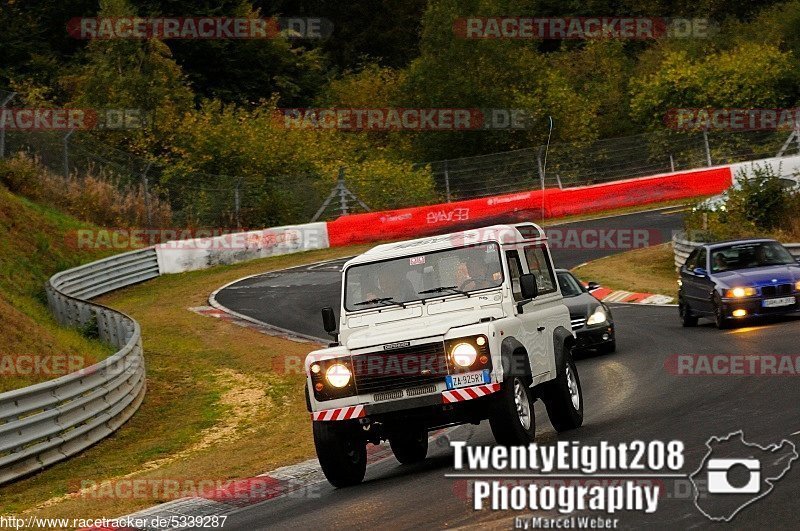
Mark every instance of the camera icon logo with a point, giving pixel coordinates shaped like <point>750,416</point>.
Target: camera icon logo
<point>720,483</point>
<point>735,473</point>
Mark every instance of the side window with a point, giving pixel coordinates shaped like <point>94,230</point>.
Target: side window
<point>701,259</point>
<point>691,262</point>
<point>514,272</point>
<point>539,264</point>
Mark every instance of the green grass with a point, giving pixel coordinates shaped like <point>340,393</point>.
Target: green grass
<point>33,246</point>
<point>649,270</point>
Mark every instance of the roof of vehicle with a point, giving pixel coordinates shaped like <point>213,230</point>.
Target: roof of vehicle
<point>728,243</point>
<point>503,234</point>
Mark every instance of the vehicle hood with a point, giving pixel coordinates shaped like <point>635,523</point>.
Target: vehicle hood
<point>581,306</point>
<point>759,276</point>
<point>416,328</point>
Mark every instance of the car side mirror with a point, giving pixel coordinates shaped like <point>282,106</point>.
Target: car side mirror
<point>592,286</point>
<point>528,286</point>
<point>700,272</point>
<point>329,321</point>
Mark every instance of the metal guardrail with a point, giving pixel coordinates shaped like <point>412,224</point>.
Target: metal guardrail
<point>50,421</point>
<point>682,247</point>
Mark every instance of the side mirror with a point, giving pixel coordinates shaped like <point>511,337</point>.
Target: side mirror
<point>528,286</point>
<point>592,286</point>
<point>329,321</point>
<point>700,272</point>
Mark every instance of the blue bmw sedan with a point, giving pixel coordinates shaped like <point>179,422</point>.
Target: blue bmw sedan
<point>731,281</point>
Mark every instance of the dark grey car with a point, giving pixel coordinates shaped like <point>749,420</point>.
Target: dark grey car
<point>592,321</point>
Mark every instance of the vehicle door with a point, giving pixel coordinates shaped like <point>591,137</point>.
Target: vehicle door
<point>549,309</point>
<point>694,278</point>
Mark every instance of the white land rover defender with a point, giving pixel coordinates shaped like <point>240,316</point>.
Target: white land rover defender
<point>437,332</point>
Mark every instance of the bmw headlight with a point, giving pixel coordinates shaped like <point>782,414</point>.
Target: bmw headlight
<point>338,375</point>
<point>464,354</point>
<point>738,293</point>
<point>598,317</point>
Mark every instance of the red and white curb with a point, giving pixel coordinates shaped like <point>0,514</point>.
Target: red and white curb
<point>303,480</point>
<point>630,297</point>
<point>469,393</point>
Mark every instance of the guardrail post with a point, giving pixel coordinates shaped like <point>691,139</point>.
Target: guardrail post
<point>66,153</point>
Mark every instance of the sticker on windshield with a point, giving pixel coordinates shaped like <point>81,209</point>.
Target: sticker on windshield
<point>417,260</point>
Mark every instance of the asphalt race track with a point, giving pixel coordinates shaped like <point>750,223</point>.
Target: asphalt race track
<point>629,395</point>
<point>291,298</point>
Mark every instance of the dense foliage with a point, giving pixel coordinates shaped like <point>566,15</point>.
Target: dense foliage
<point>212,100</point>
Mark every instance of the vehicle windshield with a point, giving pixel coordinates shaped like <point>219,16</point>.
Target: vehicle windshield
<point>423,276</point>
<point>569,285</point>
<point>749,255</point>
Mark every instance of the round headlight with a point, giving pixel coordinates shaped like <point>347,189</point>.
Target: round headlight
<point>738,292</point>
<point>598,317</point>
<point>464,354</point>
<point>338,375</point>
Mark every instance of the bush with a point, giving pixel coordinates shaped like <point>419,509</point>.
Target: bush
<point>99,199</point>
<point>759,206</point>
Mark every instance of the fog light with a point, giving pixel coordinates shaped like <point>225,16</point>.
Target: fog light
<point>481,341</point>
<point>315,368</point>
<point>484,360</point>
<point>739,313</point>
<point>605,337</point>
<point>319,386</point>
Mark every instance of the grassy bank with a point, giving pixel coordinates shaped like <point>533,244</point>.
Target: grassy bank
<point>648,270</point>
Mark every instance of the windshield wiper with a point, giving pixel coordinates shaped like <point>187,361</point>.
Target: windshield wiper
<point>381,300</point>
<point>440,289</point>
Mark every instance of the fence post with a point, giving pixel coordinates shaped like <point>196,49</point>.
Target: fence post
<point>342,192</point>
<point>671,163</point>
<point>66,153</point>
<point>447,181</point>
<point>3,129</point>
<point>237,203</point>
<point>708,148</point>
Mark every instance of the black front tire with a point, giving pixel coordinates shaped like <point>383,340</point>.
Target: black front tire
<point>687,319</point>
<point>564,397</point>
<point>410,447</point>
<point>512,419</point>
<point>342,454</point>
<point>719,317</point>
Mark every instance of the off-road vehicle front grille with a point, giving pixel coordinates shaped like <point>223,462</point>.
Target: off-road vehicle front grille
<point>400,368</point>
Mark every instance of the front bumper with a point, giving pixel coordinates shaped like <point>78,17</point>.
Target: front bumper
<point>754,307</point>
<point>594,336</point>
<point>447,397</point>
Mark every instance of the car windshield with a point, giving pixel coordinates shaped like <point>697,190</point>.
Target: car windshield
<point>749,255</point>
<point>569,285</point>
<point>423,276</point>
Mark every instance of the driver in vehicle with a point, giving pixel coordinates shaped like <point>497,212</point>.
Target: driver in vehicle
<point>720,264</point>
<point>479,275</point>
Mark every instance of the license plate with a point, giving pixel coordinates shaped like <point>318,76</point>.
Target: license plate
<point>454,381</point>
<point>776,303</point>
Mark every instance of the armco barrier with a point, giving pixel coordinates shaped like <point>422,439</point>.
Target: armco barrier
<point>47,422</point>
<point>201,253</point>
<point>682,246</point>
<point>51,421</point>
<point>550,203</point>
